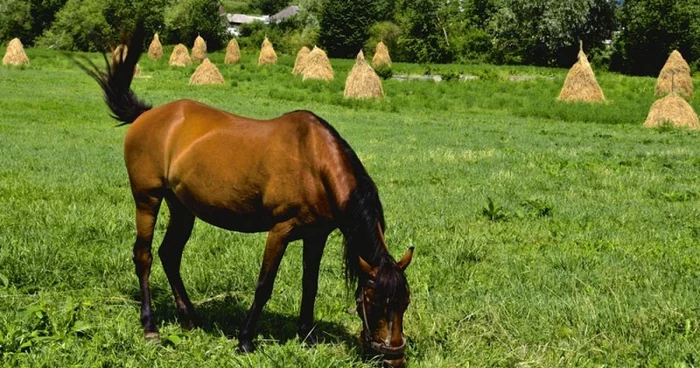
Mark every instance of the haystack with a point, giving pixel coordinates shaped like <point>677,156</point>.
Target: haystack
<point>233,52</point>
<point>207,73</point>
<point>580,83</point>
<point>672,109</point>
<point>155,49</point>
<point>381,56</point>
<point>14,55</point>
<point>317,66</point>
<point>199,50</point>
<point>180,56</point>
<point>675,77</point>
<point>300,62</point>
<point>363,82</point>
<point>119,54</point>
<point>267,53</point>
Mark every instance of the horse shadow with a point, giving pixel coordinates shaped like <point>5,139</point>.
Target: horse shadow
<point>225,313</point>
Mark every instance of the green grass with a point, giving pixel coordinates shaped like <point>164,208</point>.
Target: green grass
<point>546,234</point>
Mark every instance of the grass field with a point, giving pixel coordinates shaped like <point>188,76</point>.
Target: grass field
<point>547,234</point>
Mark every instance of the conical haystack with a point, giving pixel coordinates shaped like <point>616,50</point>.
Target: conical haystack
<point>267,53</point>
<point>675,77</point>
<point>363,82</point>
<point>180,56</point>
<point>207,73</point>
<point>155,49</point>
<point>119,54</point>
<point>14,55</point>
<point>317,66</point>
<point>300,62</point>
<point>199,50</point>
<point>580,83</point>
<point>233,52</point>
<point>381,56</point>
<point>674,110</point>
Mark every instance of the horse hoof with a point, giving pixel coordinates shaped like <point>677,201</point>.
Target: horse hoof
<point>245,347</point>
<point>152,336</point>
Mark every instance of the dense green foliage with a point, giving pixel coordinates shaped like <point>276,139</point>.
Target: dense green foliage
<point>633,36</point>
<point>652,29</point>
<point>547,234</point>
<point>344,26</point>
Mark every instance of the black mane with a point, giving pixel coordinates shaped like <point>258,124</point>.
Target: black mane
<point>362,212</point>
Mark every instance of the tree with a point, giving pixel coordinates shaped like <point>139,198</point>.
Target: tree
<point>270,7</point>
<point>26,19</point>
<point>546,32</point>
<point>423,37</point>
<point>345,25</point>
<point>186,19</point>
<point>651,29</point>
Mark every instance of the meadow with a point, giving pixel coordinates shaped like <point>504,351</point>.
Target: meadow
<point>547,234</point>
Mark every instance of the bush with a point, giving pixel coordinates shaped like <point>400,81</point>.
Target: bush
<point>80,25</point>
<point>386,32</point>
<point>384,71</point>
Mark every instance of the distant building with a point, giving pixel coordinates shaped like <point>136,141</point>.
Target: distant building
<point>235,20</point>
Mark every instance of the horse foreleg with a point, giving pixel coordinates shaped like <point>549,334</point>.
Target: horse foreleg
<point>170,253</point>
<point>277,240</point>
<point>313,250</point>
<point>146,214</point>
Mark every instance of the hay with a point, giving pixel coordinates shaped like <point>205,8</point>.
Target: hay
<point>300,62</point>
<point>267,53</point>
<point>118,56</point>
<point>672,109</point>
<point>14,55</point>
<point>199,50</point>
<point>675,77</point>
<point>317,66</point>
<point>363,82</point>
<point>233,52</point>
<point>381,56</point>
<point>207,73</point>
<point>180,56</point>
<point>155,49</point>
<point>580,83</point>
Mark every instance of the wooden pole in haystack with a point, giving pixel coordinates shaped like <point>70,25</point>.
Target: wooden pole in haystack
<point>675,71</point>
<point>363,82</point>
<point>581,84</point>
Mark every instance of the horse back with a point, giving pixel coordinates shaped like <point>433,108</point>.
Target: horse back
<point>239,173</point>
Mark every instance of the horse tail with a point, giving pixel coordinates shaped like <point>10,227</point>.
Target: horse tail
<point>116,80</point>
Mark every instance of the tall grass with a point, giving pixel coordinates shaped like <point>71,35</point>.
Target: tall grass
<point>546,234</point>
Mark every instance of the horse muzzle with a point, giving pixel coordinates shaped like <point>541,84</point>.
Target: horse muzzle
<point>393,356</point>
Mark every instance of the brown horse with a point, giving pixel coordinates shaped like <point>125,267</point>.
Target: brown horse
<point>293,176</point>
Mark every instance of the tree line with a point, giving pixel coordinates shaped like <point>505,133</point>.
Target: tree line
<point>630,36</point>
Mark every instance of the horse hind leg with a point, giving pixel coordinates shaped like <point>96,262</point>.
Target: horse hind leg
<point>170,253</point>
<point>147,206</point>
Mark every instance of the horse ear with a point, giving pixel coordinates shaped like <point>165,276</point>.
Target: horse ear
<point>406,259</point>
<point>366,268</point>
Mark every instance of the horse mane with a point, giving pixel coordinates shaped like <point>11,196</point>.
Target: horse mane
<point>361,214</point>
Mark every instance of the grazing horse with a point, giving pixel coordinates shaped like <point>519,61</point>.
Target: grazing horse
<point>292,176</point>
